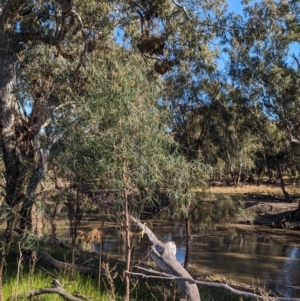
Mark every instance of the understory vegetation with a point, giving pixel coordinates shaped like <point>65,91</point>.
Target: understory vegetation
<point>24,276</point>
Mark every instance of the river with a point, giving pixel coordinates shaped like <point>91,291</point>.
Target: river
<point>253,255</point>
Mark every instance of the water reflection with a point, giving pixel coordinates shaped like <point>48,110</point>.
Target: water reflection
<point>253,255</point>
<point>290,272</point>
<point>252,259</point>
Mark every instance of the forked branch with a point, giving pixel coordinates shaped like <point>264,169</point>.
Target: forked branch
<point>57,289</point>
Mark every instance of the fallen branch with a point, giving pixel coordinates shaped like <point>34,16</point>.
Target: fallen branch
<point>165,276</point>
<point>163,255</point>
<point>57,289</point>
<point>64,266</point>
<point>294,287</point>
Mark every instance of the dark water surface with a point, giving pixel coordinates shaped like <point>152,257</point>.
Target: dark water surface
<point>249,254</point>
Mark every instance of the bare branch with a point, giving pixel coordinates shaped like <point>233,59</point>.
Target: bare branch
<point>84,36</point>
<point>65,104</point>
<point>297,61</point>
<point>140,6</point>
<point>183,8</point>
<point>153,57</point>
<point>64,266</point>
<point>57,289</point>
<point>290,135</point>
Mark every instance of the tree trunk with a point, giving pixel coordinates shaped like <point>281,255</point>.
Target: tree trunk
<point>239,174</point>
<point>5,251</point>
<point>187,242</point>
<point>14,179</point>
<point>128,248</point>
<point>18,142</point>
<point>282,185</point>
<point>231,169</point>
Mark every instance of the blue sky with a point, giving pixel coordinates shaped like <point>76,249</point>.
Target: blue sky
<point>235,5</point>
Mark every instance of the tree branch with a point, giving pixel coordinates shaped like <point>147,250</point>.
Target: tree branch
<point>140,6</point>
<point>164,261</point>
<point>161,275</point>
<point>47,122</point>
<point>290,135</point>
<point>183,8</point>
<point>163,254</point>
<point>64,266</point>
<point>297,61</point>
<point>57,289</point>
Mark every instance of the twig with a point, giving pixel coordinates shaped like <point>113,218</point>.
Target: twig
<point>48,273</point>
<point>140,6</point>
<point>82,296</point>
<point>65,104</point>
<point>153,58</point>
<point>20,259</point>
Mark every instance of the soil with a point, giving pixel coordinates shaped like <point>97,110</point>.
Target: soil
<point>271,211</point>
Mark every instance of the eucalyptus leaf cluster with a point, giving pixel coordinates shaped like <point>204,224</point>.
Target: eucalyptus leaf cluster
<point>122,123</point>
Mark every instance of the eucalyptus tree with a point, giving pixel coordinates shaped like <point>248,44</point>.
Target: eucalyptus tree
<point>274,152</point>
<point>220,132</point>
<point>44,45</point>
<point>46,48</point>
<point>38,37</point>
<point>264,60</point>
<point>264,63</point>
<point>123,143</point>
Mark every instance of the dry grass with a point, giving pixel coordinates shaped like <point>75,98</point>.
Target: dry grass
<point>272,190</point>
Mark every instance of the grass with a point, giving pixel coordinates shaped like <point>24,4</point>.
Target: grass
<point>21,277</point>
<point>254,189</point>
<point>28,281</point>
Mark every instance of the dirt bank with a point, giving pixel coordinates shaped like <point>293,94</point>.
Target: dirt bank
<point>270,211</point>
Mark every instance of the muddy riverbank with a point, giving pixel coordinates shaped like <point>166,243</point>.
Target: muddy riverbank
<point>270,211</point>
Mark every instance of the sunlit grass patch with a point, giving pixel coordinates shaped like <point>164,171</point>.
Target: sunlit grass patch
<point>79,284</point>
<point>253,189</point>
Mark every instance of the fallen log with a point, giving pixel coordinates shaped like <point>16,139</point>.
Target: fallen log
<point>163,254</point>
<point>64,266</point>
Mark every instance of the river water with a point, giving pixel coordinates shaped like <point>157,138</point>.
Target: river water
<point>253,255</point>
